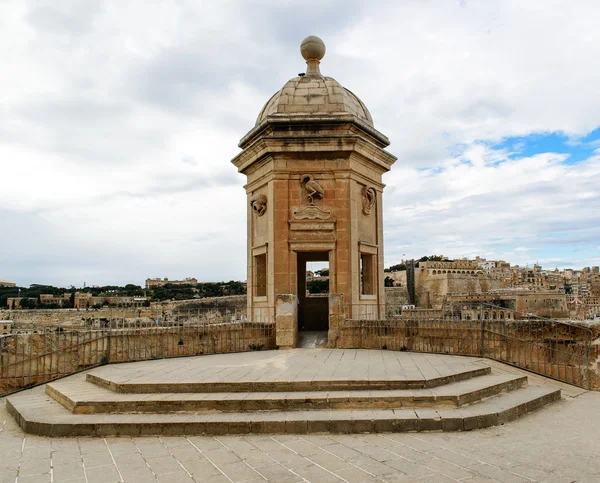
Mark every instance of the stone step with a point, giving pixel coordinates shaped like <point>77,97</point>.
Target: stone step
<point>37,413</point>
<point>81,397</point>
<point>110,381</point>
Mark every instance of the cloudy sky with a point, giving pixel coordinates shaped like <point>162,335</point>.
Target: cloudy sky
<point>118,121</point>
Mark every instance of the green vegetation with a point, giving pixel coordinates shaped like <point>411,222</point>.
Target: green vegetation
<point>30,303</point>
<point>431,258</point>
<point>202,290</point>
<point>31,296</point>
<point>435,258</point>
<point>396,268</point>
<point>318,286</point>
<point>129,290</point>
<point>172,292</point>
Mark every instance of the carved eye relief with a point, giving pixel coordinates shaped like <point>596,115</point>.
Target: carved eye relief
<point>259,204</point>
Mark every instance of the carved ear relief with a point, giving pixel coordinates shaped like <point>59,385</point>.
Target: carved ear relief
<point>259,204</point>
<point>369,198</point>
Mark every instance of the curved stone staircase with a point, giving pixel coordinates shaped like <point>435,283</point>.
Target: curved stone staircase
<point>255,393</point>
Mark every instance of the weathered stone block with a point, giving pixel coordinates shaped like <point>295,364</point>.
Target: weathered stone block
<point>286,320</point>
<point>287,339</point>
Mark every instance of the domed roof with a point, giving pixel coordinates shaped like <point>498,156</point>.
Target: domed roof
<point>313,93</point>
<point>323,95</point>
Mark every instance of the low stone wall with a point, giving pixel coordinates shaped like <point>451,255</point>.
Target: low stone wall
<point>565,352</point>
<point>29,359</point>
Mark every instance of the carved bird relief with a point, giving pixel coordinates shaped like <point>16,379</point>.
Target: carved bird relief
<point>313,189</point>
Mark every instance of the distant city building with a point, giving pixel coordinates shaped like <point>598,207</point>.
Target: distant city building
<point>508,301</point>
<point>6,283</point>
<point>456,266</point>
<point>158,282</point>
<point>49,299</point>
<point>84,300</point>
<point>45,299</point>
<point>5,326</point>
<point>568,293</point>
<point>81,300</point>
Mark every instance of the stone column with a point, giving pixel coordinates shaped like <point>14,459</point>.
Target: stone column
<point>336,318</point>
<point>286,321</point>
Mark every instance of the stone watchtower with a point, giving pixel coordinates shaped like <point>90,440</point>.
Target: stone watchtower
<point>314,163</point>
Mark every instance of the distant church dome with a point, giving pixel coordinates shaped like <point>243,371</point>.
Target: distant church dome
<point>313,94</point>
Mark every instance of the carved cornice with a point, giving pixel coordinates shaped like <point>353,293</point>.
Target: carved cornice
<point>309,120</point>
<point>302,145</point>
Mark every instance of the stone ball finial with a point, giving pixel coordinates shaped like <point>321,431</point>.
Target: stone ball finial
<point>312,48</point>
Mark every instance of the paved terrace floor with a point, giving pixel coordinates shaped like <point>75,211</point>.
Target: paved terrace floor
<point>298,365</point>
<point>560,443</point>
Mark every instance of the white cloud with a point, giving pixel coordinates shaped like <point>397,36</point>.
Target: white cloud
<point>118,121</point>
<point>499,207</point>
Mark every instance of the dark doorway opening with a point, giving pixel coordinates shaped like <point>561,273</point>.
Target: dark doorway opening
<point>313,291</point>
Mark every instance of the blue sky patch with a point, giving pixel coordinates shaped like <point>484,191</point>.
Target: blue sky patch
<point>578,149</point>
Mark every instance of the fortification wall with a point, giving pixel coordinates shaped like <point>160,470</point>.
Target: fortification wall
<point>431,289</point>
<point>29,319</point>
<point>544,305</point>
<point>396,296</point>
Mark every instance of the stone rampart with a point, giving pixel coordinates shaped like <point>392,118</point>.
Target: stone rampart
<point>431,288</point>
<point>66,318</point>
<point>396,296</point>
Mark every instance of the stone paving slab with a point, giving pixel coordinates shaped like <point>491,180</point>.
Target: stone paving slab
<point>37,413</point>
<point>82,397</point>
<point>557,445</point>
<point>291,370</point>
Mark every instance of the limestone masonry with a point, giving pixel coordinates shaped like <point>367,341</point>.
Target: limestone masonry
<point>559,294</point>
<point>314,164</point>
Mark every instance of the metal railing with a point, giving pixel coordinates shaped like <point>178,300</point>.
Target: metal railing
<point>556,349</point>
<point>32,358</point>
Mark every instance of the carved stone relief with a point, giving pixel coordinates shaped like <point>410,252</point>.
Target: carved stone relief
<point>311,212</point>
<point>369,197</point>
<point>259,204</point>
<point>311,190</point>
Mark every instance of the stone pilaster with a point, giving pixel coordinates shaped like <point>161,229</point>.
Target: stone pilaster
<point>286,320</point>
<point>336,318</point>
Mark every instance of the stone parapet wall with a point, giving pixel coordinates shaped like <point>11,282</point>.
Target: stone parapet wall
<point>565,352</point>
<point>34,358</point>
